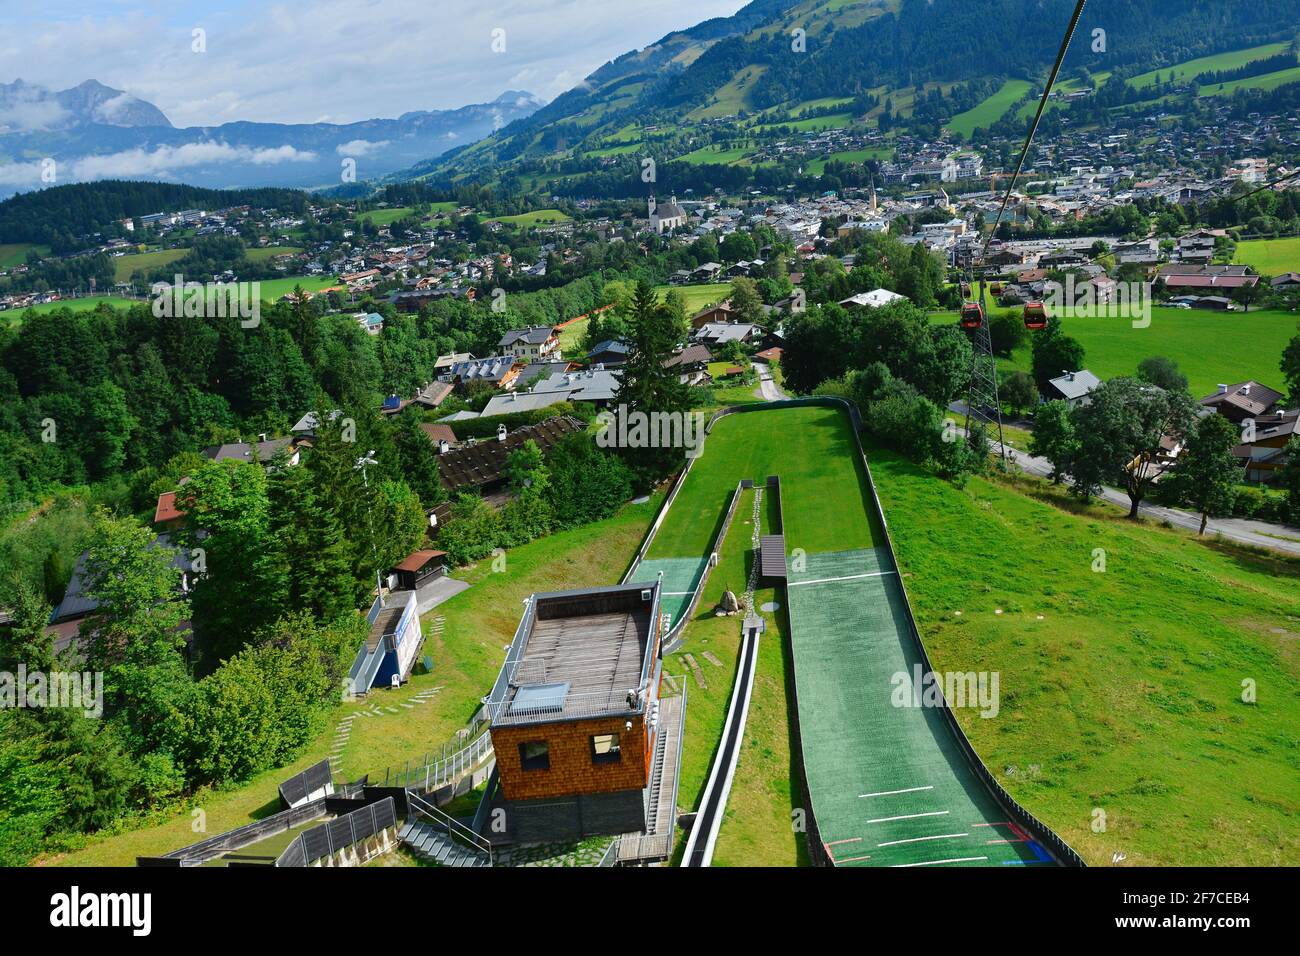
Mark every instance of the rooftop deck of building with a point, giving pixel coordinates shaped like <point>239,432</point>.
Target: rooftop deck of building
<point>578,654</point>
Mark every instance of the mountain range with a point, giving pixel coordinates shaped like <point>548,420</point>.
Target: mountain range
<point>93,131</point>
<point>787,58</point>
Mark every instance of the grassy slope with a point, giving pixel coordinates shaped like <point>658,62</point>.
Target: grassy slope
<point>810,448</point>
<point>991,110</point>
<point>477,625</point>
<point>700,296</point>
<point>1125,695</point>
<point>539,217</point>
<point>1216,63</point>
<point>385,217</point>
<point>756,829</point>
<point>273,289</point>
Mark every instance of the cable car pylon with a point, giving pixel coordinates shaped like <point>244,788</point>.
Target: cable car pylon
<point>983,408</point>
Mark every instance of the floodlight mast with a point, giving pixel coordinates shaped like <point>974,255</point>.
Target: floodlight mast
<point>362,463</point>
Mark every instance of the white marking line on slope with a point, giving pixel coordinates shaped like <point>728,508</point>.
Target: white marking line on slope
<point>847,577</point>
<point>937,836</point>
<point>959,859</point>
<point>890,793</point>
<point>910,816</point>
<point>676,593</point>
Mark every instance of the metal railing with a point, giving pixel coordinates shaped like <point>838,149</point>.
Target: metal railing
<point>454,829</point>
<point>595,704</point>
<point>448,769</point>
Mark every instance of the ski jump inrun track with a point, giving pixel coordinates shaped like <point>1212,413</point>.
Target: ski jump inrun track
<point>885,785</point>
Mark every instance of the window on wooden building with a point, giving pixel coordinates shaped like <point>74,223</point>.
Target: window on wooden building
<point>605,749</point>
<point>535,755</point>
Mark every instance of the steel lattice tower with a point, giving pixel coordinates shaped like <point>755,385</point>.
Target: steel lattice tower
<point>983,410</point>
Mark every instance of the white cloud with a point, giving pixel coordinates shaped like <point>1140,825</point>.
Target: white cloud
<point>360,147</point>
<point>161,162</point>
<point>257,67</point>
<point>28,110</point>
<point>109,110</point>
<point>20,175</point>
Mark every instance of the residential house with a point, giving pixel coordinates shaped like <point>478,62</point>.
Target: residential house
<point>536,343</point>
<point>1245,400</point>
<point>1178,277</point>
<point>716,314</point>
<point>77,603</point>
<point>691,363</point>
<point>715,333</point>
<point>499,371</point>
<point>441,436</point>
<point>1265,453</point>
<point>263,450</point>
<point>478,464</point>
<point>610,352</point>
<point>1073,387</point>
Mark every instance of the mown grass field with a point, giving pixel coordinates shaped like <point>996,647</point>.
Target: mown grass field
<point>699,296</point>
<point>1270,257</point>
<point>273,289</point>
<point>15,253</point>
<point>991,110</point>
<point>266,253</point>
<point>1209,347</point>
<point>126,266</point>
<point>1121,691</point>
<point>76,305</point>
<point>712,156</point>
<point>476,627</point>
<point>1266,81</point>
<point>385,217</point>
<point>854,156</point>
<point>538,217</point>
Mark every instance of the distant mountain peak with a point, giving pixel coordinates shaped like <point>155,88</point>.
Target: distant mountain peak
<point>28,107</point>
<point>518,98</point>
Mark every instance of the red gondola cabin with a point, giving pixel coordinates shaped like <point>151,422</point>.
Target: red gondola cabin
<point>972,315</point>
<point>1035,316</point>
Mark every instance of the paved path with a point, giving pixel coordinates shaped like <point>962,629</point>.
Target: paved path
<point>767,387</point>
<point>1258,533</point>
<point>438,590</point>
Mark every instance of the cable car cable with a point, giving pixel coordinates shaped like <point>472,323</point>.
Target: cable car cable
<point>1042,105</point>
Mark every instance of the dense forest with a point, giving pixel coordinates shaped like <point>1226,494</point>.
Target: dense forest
<point>61,218</point>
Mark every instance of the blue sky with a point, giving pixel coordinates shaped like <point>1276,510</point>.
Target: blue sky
<point>327,60</point>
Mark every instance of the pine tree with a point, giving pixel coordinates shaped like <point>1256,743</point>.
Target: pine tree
<point>310,545</point>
